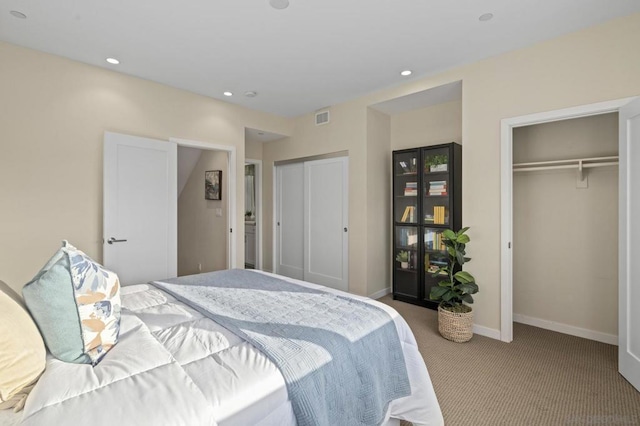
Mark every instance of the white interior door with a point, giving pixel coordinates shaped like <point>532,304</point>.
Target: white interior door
<point>140,208</point>
<point>629,250</point>
<point>325,222</point>
<point>290,220</point>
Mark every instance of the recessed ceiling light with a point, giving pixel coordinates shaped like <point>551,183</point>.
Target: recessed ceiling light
<point>113,61</point>
<point>486,17</point>
<point>279,4</point>
<point>18,15</point>
<point>406,73</point>
<point>250,94</point>
<point>228,94</point>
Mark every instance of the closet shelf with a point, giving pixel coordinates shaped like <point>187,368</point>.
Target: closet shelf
<point>579,164</point>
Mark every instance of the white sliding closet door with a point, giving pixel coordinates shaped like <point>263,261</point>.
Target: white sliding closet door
<point>290,220</point>
<point>312,221</point>
<point>629,252</point>
<point>325,224</point>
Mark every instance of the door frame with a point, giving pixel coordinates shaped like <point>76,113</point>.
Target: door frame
<point>506,198</point>
<point>231,191</point>
<point>259,220</point>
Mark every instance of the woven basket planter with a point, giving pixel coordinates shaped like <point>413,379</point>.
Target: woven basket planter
<point>454,326</point>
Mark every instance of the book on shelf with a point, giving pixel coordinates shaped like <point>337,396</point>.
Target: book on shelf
<point>439,215</point>
<point>433,240</point>
<point>437,187</point>
<point>411,189</point>
<point>408,237</point>
<point>405,214</point>
<point>409,214</point>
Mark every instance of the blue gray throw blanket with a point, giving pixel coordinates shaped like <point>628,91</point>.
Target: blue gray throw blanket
<point>341,358</point>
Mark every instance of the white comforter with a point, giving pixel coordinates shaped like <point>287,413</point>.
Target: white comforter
<point>173,366</point>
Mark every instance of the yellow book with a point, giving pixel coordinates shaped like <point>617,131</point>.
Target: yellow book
<point>405,214</point>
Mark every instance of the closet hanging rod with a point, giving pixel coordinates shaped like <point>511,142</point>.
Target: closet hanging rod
<point>609,161</point>
<point>579,164</point>
<point>566,166</point>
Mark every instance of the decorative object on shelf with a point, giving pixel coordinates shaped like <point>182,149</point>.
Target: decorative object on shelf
<point>455,318</point>
<point>403,258</point>
<point>436,163</point>
<point>409,167</point>
<point>213,185</point>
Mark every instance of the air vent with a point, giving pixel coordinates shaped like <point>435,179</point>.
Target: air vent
<point>322,117</point>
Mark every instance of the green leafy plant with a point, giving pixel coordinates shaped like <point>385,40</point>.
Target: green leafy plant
<point>402,256</point>
<point>459,285</point>
<point>436,159</point>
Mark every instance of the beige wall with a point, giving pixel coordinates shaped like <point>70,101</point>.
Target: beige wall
<point>253,150</point>
<point>53,115</point>
<point>427,126</point>
<point>378,211</point>
<point>565,240</point>
<point>576,69</point>
<point>202,236</point>
<point>345,132</point>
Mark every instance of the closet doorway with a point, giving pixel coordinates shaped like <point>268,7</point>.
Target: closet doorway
<point>565,226</point>
<point>253,214</point>
<point>311,220</point>
<point>628,285</point>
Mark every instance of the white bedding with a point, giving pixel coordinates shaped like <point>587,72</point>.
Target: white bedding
<point>174,366</point>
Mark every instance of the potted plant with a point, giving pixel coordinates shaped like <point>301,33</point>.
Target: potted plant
<point>403,258</point>
<point>455,318</point>
<point>437,163</point>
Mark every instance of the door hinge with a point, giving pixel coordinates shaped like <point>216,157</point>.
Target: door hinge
<point>509,244</point>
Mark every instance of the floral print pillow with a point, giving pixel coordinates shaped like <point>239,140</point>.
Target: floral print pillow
<point>97,296</point>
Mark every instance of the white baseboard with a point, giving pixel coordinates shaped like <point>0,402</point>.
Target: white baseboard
<point>598,336</point>
<point>379,294</point>
<point>486,331</point>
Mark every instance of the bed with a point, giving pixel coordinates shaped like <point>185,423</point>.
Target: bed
<point>175,365</point>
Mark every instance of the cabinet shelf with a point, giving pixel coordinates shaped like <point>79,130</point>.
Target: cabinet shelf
<point>412,271</point>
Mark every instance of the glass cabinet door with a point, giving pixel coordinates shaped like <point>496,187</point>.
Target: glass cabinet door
<point>435,256</point>
<point>405,169</point>
<point>406,263</point>
<point>436,203</point>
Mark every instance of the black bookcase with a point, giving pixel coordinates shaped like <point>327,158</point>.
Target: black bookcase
<point>427,199</point>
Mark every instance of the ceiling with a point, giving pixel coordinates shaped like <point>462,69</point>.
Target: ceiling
<point>310,55</point>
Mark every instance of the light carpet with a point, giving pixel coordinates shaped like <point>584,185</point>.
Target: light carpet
<point>541,378</point>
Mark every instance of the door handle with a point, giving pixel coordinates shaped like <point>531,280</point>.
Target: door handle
<point>113,240</point>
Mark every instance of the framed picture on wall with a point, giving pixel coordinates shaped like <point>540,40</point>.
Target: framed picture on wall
<point>213,185</point>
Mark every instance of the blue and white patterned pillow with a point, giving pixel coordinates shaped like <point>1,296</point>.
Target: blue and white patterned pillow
<point>97,294</point>
<point>75,303</point>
